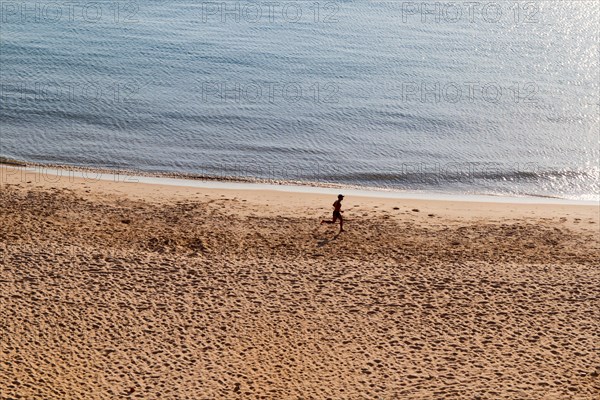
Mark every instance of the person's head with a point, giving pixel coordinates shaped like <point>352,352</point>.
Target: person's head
<point>340,197</point>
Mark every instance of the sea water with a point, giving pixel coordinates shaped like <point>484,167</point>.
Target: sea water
<point>460,97</point>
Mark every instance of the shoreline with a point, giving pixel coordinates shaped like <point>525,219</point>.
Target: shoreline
<point>237,183</point>
<point>286,199</point>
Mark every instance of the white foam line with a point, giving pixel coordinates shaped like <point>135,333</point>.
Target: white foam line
<point>231,185</point>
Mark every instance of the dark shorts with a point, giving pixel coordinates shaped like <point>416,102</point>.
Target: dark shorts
<point>336,215</point>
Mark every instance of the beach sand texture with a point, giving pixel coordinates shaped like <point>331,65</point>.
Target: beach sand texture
<point>126,290</point>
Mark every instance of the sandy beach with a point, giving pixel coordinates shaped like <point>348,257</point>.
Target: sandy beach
<point>113,290</point>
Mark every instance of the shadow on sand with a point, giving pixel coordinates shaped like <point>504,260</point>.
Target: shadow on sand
<point>323,241</point>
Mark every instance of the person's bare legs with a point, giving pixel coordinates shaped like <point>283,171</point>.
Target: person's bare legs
<point>324,221</point>
<point>341,224</point>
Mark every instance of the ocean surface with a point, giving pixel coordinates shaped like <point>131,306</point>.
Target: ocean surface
<point>498,97</point>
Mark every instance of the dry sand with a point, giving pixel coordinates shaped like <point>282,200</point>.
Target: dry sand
<point>123,290</point>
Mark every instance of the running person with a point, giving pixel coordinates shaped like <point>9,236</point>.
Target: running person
<point>337,213</point>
